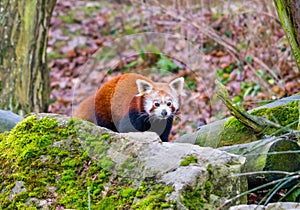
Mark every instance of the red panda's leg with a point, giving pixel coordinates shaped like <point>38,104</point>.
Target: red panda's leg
<point>134,121</point>
<point>165,135</point>
<point>101,122</point>
<point>139,120</point>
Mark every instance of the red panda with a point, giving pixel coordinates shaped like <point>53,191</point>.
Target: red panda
<point>131,102</point>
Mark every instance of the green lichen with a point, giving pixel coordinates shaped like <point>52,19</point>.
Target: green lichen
<point>286,116</point>
<point>128,167</point>
<point>188,160</point>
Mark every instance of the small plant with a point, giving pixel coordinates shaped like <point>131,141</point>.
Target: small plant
<point>224,74</point>
<point>188,160</point>
<point>166,64</point>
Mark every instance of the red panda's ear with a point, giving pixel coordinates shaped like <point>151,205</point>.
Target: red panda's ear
<point>143,87</point>
<point>177,85</point>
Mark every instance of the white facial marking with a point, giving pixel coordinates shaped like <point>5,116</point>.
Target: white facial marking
<point>148,105</point>
<point>159,111</point>
<point>159,106</point>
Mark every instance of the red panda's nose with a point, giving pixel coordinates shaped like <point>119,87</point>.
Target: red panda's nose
<point>164,113</point>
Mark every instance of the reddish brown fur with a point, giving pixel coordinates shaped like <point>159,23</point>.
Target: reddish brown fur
<point>86,110</point>
<point>116,94</point>
<point>121,102</point>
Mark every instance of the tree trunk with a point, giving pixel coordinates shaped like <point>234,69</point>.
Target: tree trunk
<point>25,80</point>
<point>289,14</point>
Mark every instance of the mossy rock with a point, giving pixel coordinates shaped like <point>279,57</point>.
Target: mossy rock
<point>52,161</point>
<point>56,170</point>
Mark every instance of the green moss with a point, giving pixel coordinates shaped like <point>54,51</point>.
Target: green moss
<point>127,167</point>
<point>236,133</point>
<point>188,160</point>
<point>107,203</point>
<point>199,197</point>
<point>209,169</point>
<point>193,199</point>
<point>3,136</point>
<point>208,186</point>
<point>42,155</point>
<point>105,136</point>
<point>126,193</point>
<point>156,198</point>
<point>282,162</point>
<point>107,163</point>
<point>205,195</point>
<point>286,116</point>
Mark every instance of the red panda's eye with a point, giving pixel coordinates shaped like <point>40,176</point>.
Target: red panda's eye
<point>169,103</point>
<point>156,104</point>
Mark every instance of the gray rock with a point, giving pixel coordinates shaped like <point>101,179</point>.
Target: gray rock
<point>8,120</point>
<point>145,156</point>
<point>17,189</point>
<point>38,203</point>
<point>271,206</point>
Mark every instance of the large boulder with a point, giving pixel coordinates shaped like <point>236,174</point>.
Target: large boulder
<point>54,161</point>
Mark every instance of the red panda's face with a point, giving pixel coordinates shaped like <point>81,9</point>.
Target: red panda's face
<point>161,99</point>
<point>161,105</point>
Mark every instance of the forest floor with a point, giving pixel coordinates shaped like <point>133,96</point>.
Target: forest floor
<point>240,43</point>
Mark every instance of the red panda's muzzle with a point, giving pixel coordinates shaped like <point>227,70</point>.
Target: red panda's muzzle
<point>164,113</point>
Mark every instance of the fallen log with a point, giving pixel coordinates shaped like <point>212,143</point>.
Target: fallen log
<point>230,131</point>
<point>273,158</point>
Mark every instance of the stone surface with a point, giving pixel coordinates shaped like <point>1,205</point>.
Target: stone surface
<point>271,206</point>
<point>162,161</point>
<point>8,120</point>
<point>17,189</point>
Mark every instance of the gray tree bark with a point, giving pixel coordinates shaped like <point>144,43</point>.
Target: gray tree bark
<point>25,80</point>
<point>289,14</point>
